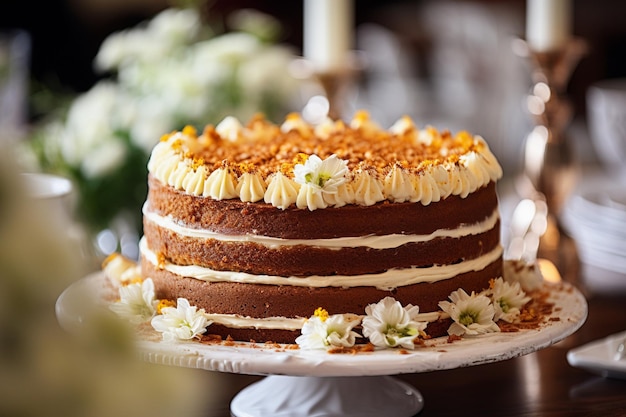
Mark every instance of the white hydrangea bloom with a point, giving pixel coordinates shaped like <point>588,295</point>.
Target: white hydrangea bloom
<point>322,331</point>
<point>230,48</point>
<point>152,118</point>
<point>104,158</point>
<point>472,314</point>
<point>177,26</point>
<point>267,71</point>
<point>183,322</point>
<point>137,302</point>
<point>113,51</point>
<point>88,122</point>
<point>170,29</point>
<point>389,324</point>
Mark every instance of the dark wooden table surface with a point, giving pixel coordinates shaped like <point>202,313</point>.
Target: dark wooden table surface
<point>539,384</point>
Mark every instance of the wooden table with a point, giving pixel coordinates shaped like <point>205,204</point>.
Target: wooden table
<point>539,384</point>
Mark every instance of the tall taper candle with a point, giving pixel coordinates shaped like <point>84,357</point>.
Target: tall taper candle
<point>328,28</point>
<point>548,24</point>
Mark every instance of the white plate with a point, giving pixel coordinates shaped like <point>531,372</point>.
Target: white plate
<point>598,357</point>
<point>595,217</point>
<point>570,312</point>
<point>600,280</point>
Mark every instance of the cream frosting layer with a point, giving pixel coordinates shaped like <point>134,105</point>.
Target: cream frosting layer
<point>293,324</point>
<point>371,241</point>
<point>386,281</point>
<point>172,164</point>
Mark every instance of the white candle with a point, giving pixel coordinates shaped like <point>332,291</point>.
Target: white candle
<point>328,26</point>
<point>548,24</point>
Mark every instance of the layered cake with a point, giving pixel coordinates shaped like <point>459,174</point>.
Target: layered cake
<point>262,224</point>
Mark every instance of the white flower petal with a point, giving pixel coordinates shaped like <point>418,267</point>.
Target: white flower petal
<point>326,175</point>
<point>334,331</point>
<point>472,314</point>
<point>508,299</point>
<point>388,324</point>
<point>137,302</point>
<point>182,322</point>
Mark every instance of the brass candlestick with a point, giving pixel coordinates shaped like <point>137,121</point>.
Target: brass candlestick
<point>335,82</point>
<point>550,169</point>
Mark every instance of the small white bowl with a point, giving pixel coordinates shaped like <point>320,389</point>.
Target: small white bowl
<point>42,186</point>
<point>52,194</point>
<point>606,117</point>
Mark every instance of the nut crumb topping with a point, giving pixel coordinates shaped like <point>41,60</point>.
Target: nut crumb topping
<point>263,147</point>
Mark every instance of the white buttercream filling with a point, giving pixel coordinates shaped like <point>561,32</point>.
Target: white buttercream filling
<point>375,242</point>
<point>294,324</point>
<point>386,281</point>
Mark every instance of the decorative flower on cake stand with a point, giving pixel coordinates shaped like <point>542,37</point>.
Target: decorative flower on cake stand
<point>137,302</point>
<point>472,314</point>
<point>389,324</point>
<point>183,322</point>
<point>322,331</point>
<point>508,299</point>
<point>171,71</point>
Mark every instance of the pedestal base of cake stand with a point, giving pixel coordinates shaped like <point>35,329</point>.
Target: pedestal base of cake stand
<point>300,396</point>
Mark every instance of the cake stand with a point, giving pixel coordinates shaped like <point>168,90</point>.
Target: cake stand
<point>317,383</point>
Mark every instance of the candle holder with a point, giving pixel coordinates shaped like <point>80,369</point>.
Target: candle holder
<point>550,170</point>
<point>335,81</point>
<point>335,84</point>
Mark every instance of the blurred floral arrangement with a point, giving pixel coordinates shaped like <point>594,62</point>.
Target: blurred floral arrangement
<point>173,70</point>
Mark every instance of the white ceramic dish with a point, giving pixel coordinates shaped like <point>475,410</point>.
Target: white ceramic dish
<point>606,115</point>
<point>595,216</point>
<point>603,281</point>
<point>598,357</point>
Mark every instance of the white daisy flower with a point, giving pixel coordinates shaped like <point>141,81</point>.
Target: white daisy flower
<point>325,175</point>
<point>508,299</point>
<point>137,302</point>
<point>472,314</point>
<point>322,331</point>
<point>183,322</point>
<point>389,324</point>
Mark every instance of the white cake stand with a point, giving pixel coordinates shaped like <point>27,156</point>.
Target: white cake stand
<point>316,383</point>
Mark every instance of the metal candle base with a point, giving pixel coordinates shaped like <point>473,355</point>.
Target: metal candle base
<point>550,168</point>
<point>337,81</point>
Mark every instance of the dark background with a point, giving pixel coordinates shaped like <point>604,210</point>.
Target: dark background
<point>66,34</point>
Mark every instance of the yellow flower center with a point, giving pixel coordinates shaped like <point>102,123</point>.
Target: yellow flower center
<point>165,303</point>
<point>321,313</point>
<point>468,317</point>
